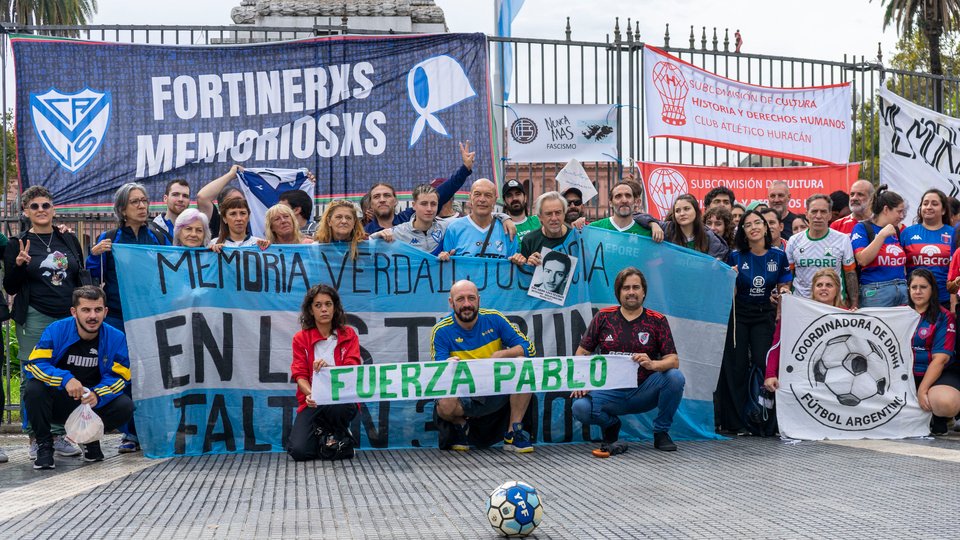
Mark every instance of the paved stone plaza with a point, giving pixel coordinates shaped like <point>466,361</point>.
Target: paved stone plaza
<point>747,487</point>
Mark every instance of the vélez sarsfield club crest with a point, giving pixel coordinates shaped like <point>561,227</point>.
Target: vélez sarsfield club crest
<point>71,126</point>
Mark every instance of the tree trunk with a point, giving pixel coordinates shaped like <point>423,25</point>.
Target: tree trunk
<point>936,66</point>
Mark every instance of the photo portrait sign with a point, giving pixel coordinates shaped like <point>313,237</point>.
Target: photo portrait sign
<point>810,124</point>
<point>847,375</point>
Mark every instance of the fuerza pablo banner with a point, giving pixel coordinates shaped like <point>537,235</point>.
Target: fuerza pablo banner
<point>918,148</point>
<point>810,124</point>
<point>210,335</point>
<point>91,116</point>
<point>847,375</point>
<point>664,182</point>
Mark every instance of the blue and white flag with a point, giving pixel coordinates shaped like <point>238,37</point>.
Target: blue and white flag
<point>506,12</point>
<point>210,335</point>
<point>354,110</point>
<point>263,187</point>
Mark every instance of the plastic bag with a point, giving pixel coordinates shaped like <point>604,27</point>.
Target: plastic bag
<point>84,426</point>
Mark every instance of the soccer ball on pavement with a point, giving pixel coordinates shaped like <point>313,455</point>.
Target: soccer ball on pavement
<point>514,509</point>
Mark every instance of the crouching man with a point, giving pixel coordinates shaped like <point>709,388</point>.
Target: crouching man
<point>630,329</point>
<point>77,360</point>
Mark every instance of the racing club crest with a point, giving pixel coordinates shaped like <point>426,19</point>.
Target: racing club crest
<point>71,126</point>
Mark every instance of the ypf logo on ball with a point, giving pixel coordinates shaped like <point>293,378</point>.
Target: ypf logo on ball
<point>856,376</point>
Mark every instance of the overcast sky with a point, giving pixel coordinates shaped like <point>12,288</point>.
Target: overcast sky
<point>819,29</point>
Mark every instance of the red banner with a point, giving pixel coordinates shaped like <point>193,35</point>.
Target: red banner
<point>664,182</point>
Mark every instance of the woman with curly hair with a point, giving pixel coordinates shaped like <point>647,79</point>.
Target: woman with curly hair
<point>324,340</point>
<point>719,220</point>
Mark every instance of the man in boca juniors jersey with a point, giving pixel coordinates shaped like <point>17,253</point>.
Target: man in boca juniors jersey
<point>633,330</point>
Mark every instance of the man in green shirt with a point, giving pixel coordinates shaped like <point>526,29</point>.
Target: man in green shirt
<point>621,199</point>
<point>515,204</point>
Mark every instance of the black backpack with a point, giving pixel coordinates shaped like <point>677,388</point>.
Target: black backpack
<point>758,419</point>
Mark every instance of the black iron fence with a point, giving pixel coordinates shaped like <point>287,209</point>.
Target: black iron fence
<point>563,71</point>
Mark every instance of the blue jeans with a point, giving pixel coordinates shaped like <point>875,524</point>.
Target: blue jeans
<point>662,390</point>
<point>884,293</point>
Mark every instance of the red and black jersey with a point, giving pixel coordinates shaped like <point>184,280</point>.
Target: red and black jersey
<point>611,333</point>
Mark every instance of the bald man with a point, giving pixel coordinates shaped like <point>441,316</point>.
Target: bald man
<point>479,234</point>
<point>470,333</point>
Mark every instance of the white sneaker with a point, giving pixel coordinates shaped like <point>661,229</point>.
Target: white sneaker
<point>65,448</point>
<point>33,449</point>
<point>3,457</point>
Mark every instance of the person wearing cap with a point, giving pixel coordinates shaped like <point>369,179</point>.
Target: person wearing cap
<point>383,197</point>
<point>574,213</point>
<point>514,196</point>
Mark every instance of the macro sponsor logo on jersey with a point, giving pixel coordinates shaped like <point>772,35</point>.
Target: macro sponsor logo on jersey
<point>930,255</point>
<point>891,255</point>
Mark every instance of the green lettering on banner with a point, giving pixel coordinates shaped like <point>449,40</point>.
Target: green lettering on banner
<point>431,390</point>
<point>598,379</point>
<point>551,374</point>
<point>572,382</point>
<point>499,376</point>
<point>461,376</point>
<point>336,385</point>
<point>528,377</point>
<point>366,393</point>
<point>386,381</point>
<point>410,376</point>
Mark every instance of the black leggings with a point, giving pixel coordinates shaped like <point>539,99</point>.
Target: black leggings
<point>753,330</point>
<point>304,443</point>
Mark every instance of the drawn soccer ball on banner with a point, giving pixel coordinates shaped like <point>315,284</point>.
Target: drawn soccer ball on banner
<point>514,509</point>
<point>852,368</point>
<point>672,87</point>
<point>665,186</point>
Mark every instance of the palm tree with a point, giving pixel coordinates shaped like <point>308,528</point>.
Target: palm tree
<point>47,12</point>
<point>933,17</point>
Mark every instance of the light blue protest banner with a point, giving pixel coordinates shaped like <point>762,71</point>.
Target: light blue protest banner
<point>210,335</point>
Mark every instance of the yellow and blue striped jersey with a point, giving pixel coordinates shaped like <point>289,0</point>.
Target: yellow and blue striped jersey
<point>492,332</point>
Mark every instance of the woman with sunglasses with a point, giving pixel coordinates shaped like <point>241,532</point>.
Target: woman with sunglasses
<point>42,267</point>
<point>131,206</point>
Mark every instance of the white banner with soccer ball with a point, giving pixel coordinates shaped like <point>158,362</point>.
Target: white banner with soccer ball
<point>847,375</point>
<point>558,133</point>
<point>687,103</point>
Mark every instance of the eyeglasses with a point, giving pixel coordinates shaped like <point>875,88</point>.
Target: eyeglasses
<point>38,206</point>
<point>575,202</point>
<point>139,202</point>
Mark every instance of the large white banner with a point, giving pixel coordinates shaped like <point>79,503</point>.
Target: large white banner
<point>557,133</point>
<point>488,377</point>
<point>847,375</point>
<point>687,103</point>
<point>918,148</point>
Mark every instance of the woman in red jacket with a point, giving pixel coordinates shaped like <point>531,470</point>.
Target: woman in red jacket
<point>326,340</point>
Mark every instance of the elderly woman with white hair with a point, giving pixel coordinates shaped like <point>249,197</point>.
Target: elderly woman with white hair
<point>131,205</point>
<point>192,229</point>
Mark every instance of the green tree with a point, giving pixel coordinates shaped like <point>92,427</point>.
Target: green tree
<point>48,12</point>
<point>933,18</point>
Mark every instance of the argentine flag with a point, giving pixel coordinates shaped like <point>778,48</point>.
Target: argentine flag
<point>506,12</point>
